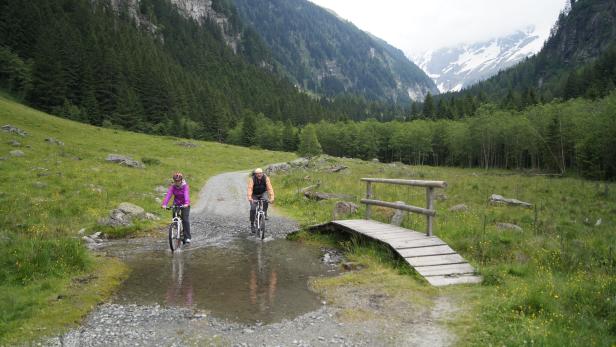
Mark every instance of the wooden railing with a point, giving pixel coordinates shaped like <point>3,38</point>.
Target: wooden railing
<point>429,211</point>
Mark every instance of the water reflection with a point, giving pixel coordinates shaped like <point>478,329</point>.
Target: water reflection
<point>246,281</point>
<point>179,290</point>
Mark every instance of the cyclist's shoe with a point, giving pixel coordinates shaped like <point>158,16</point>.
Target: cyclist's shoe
<point>266,217</point>
<point>186,241</point>
<point>253,229</point>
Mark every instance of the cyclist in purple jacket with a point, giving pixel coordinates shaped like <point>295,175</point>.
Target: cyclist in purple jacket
<point>181,197</point>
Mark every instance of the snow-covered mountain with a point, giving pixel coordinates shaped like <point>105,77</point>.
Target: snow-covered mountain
<point>454,68</point>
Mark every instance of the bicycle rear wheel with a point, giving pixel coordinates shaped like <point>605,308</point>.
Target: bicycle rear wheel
<point>174,237</point>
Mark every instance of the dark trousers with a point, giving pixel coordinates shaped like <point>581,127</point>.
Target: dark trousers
<point>185,214</point>
<point>253,206</point>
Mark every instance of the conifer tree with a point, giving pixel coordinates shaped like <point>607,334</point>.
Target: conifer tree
<point>309,145</point>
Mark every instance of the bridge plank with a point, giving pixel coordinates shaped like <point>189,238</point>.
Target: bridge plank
<point>436,260</point>
<point>425,251</point>
<point>439,281</point>
<point>414,243</point>
<point>440,270</point>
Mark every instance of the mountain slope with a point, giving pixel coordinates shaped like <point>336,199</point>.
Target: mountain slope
<point>454,68</point>
<point>143,66</point>
<point>326,55</point>
<point>578,59</point>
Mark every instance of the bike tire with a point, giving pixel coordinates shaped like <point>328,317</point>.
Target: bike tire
<point>174,237</point>
<point>262,229</point>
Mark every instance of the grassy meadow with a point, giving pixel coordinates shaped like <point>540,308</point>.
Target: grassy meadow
<point>52,191</point>
<point>554,283</point>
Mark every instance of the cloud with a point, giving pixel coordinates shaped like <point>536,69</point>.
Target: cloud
<point>419,25</point>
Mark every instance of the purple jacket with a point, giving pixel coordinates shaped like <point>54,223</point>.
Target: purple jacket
<point>181,195</point>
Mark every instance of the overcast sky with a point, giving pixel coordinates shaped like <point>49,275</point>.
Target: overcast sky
<point>419,25</point>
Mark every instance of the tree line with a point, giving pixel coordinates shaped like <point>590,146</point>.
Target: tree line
<point>577,136</point>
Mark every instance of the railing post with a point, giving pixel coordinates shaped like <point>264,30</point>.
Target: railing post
<point>430,206</point>
<point>368,196</point>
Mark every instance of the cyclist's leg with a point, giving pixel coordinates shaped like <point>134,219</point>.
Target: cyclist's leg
<point>186,222</point>
<point>265,203</point>
<point>253,208</point>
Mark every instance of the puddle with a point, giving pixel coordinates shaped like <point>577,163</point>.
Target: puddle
<point>247,281</point>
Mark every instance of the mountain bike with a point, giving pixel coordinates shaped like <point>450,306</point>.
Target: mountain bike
<point>176,229</point>
<point>260,218</point>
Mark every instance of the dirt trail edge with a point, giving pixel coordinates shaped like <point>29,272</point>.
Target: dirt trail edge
<point>220,215</point>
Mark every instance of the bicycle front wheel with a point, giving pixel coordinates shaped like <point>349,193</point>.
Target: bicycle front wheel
<point>174,237</point>
<point>262,228</point>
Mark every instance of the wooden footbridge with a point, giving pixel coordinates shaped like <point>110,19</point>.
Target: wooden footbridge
<point>430,256</point>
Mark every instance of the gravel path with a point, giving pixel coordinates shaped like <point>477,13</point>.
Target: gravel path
<point>220,216</point>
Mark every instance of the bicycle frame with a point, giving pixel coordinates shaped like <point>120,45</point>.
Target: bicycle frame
<point>176,238</point>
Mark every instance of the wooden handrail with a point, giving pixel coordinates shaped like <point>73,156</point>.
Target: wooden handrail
<point>416,183</point>
<point>429,211</point>
<point>403,207</point>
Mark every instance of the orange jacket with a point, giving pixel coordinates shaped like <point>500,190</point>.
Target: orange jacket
<point>268,185</point>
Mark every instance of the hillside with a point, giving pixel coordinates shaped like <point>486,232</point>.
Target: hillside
<point>56,189</point>
<point>154,67</point>
<point>328,56</point>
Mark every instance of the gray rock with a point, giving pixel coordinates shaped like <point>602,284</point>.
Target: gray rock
<point>459,208</point>
<point>150,216</point>
<point>132,210</point>
<point>344,208</point>
<point>160,189</point>
<point>350,266</point>
<point>276,168</point>
<point>499,199</point>
<point>441,197</point>
<point>81,231</point>
<point>299,162</point>
<point>337,168</point>
<point>17,153</point>
<point>53,141</point>
<point>599,221</point>
<point>376,160</point>
<point>11,129</point>
<point>186,144</point>
<point>508,226</point>
<point>125,160</point>
<point>398,216</point>
<point>14,143</point>
<point>326,196</point>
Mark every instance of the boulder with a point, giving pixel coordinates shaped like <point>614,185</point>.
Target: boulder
<point>398,216</point>
<point>186,144</point>
<point>11,129</point>
<point>131,209</point>
<point>326,196</point>
<point>499,199</point>
<point>125,160</point>
<point>276,168</point>
<point>459,208</point>
<point>123,215</point>
<point>337,168</point>
<point>376,160</point>
<point>151,216</point>
<point>15,143</point>
<point>299,162</point>
<point>508,226</point>
<point>344,208</point>
<point>53,141</point>
<point>17,153</point>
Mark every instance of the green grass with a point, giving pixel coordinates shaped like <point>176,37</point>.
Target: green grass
<point>53,191</point>
<point>552,284</point>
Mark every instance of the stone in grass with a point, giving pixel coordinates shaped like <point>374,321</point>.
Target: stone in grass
<point>508,226</point>
<point>343,208</point>
<point>53,141</point>
<point>17,153</point>
<point>125,160</point>
<point>160,189</point>
<point>186,144</point>
<point>15,143</point>
<point>398,216</point>
<point>499,199</point>
<point>132,210</point>
<point>123,215</point>
<point>278,167</point>
<point>459,208</point>
<point>11,129</point>
<point>39,185</point>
